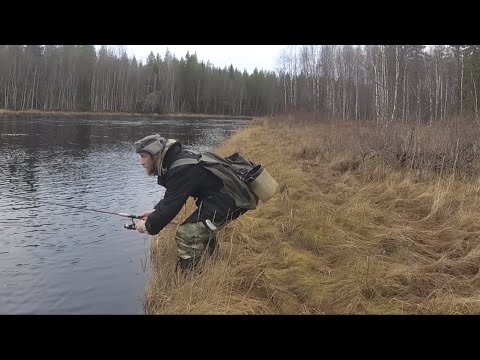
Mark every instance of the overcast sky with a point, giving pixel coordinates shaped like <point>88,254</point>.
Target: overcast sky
<point>240,56</point>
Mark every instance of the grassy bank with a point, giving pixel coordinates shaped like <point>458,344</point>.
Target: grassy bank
<point>49,114</point>
<point>368,220</point>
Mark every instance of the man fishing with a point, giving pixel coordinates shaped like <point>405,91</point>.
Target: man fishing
<point>220,196</point>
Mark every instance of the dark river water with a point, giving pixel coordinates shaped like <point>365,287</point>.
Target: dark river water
<point>60,260</point>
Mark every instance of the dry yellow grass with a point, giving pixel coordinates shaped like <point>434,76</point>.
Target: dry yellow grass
<point>348,233</point>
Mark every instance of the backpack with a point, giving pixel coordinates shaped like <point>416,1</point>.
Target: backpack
<point>235,172</point>
<point>241,167</point>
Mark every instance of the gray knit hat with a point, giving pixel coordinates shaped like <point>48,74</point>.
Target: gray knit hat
<point>153,144</point>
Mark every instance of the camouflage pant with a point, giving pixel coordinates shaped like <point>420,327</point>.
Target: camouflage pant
<point>193,238</point>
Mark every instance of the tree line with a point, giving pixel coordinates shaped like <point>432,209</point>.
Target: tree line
<point>383,83</point>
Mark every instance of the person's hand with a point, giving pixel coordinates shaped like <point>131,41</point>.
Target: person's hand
<point>140,226</point>
<point>145,214</point>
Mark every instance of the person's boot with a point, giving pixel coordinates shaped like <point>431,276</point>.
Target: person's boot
<point>213,247</point>
<point>189,265</point>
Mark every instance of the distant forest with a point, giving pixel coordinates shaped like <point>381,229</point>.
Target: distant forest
<point>383,83</point>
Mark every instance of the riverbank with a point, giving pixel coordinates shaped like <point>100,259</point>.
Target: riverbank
<point>348,233</point>
<point>50,114</point>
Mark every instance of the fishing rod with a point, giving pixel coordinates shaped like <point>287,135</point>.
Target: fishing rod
<point>126,226</point>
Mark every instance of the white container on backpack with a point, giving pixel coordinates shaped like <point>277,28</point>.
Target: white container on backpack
<point>263,184</point>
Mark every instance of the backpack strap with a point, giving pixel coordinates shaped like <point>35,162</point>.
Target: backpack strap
<point>185,161</point>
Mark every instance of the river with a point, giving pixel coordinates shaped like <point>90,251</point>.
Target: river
<point>55,259</point>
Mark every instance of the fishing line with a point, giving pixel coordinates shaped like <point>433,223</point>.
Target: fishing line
<point>72,206</point>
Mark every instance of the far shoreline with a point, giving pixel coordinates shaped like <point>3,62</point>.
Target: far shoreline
<point>41,113</point>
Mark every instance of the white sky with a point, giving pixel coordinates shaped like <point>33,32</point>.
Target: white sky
<point>240,56</point>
